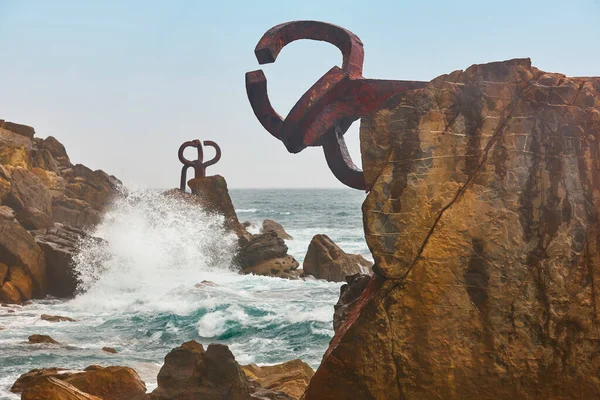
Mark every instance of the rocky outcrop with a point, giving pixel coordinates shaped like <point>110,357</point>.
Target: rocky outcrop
<point>326,260</point>
<point>106,383</point>
<point>55,389</point>
<point>60,244</point>
<point>484,226</point>
<point>349,295</point>
<point>269,225</point>
<point>290,377</point>
<point>266,254</point>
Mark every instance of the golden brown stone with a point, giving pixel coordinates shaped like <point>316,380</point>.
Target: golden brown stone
<point>290,377</point>
<point>55,389</point>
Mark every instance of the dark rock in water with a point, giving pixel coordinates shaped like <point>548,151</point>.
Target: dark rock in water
<point>60,244</point>
<point>41,339</point>
<point>55,389</point>
<point>31,218</point>
<point>266,254</point>
<point>291,377</point>
<point>109,350</point>
<point>190,372</point>
<point>271,226</point>
<point>325,260</point>
<point>349,294</point>
<point>56,318</point>
<point>483,219</point>
<point>247,224</point>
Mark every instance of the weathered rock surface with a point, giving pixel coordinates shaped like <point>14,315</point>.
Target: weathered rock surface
<point>41,339</point>
<point>483,219</point>
<point>266,254</point>
<point>269,225</point>
<point>349,295</point>
<point>35,376</point>
<point>325,260</point>
<point>291,377</point>
<point>55,389</point>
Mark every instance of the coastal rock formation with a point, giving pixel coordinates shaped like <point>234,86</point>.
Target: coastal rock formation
<point>290,377</point>
<point>36,339</point>
<point>106,383</point>
<point>266,254</point>
<point>349,295</point>
<point>483,220</point>
<point>269,225</point>
<point>55,389</point>
<point>325,260</point>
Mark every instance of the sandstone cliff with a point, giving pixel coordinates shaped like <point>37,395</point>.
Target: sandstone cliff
<point>483,222</point>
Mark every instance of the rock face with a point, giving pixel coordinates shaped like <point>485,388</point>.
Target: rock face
<point>484,225</point>
<point>266,254</point>
<point>55,389</point>
<point>325,260</point>
<point>271,226</point>
<point>291,377</point>
<point>190,372</point>
<point>349,295</point>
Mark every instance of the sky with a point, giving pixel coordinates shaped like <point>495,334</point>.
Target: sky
<point>123,83</point>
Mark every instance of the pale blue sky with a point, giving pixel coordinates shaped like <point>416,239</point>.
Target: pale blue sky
<point>123,83</point>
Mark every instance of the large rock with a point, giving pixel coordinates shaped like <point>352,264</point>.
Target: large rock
<point>325,260</point>
<point>60,244</point>
<point>18,248</point>
<point>269,225</point>
<point>266,254</point>
<point>190,372</point>
<point>35,376</point>
<point>57,150</point>
<point>15,149</point>
<point>55,389</point>
<point>483,219</point>
<point>290,377</point>
<point>28,190</point>
<point>349,295</point>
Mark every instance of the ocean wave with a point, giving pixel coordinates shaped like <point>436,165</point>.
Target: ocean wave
<point>246,210</point>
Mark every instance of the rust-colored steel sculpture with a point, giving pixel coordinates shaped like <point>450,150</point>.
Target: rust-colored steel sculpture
<point>199,165</point>
<point>325,112</point>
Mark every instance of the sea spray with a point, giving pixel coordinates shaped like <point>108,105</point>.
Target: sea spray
<point>139,295</point>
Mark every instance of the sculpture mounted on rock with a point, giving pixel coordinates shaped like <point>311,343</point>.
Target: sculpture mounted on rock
<point>199,164</point>
<point>327,110</point>
<point>482,217</point>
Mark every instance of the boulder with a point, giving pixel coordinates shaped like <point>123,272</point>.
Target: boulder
<point>55,389</point>
<point>18,248</point>
<point>325,260</point>
<point>57,150</point>
<point>190,372</point>
<point>35,339</point>
<point>31,218</point>
<point>349,295</point>
<point>483,219</point>
<point>21,281</point>
<point>9,293</point>
<point>109,350</point>
<point>266,254</point>
<point>269,225</point>
<point>28,190</point>
<point>109,383</point>
<point>15,149</point>
<point>35,376</point>
<point>19,129</point>
<point>60,245</point>
<point>291,377</point>
<point>74,212</point>
<point>56,318</point>
<point>96,188</point>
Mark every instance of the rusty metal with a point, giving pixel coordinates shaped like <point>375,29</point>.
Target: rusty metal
<point>325,112</point>
<point>199,165</point>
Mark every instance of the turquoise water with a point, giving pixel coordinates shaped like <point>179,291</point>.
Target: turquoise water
<point>142,299</point>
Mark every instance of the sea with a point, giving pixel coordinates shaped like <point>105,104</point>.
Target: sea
<point>139,291</point>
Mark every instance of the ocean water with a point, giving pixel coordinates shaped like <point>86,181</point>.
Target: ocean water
<point>139,292</point>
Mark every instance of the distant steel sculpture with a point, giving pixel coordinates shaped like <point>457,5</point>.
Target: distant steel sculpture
<point>199,165</point>
<point>324,113</point>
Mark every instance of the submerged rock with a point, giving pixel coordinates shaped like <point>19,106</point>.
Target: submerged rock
<point>326,260</point>
<point>266,254</point>
<point>41,339</point>
<point>269,225</point>
<point>483,222</point>
<point>56,318</point>
<point>291,377</point>
<point>109,350</point>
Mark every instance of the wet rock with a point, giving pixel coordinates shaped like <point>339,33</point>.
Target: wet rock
<point>60,244</point>
<point>55,389</point>
<point>291,377</point>
<point>349,295</point>
<point>18,248</point>
<point>266,254</point>
<point>109,350</point>
<point>41,339</point>
<point>56,318</point>
<point>325,260</point>
<point>110,383</point>
<point>269,225</point>
<point>31,218</point>
<point>483,222</point>
<point>190,372</point>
